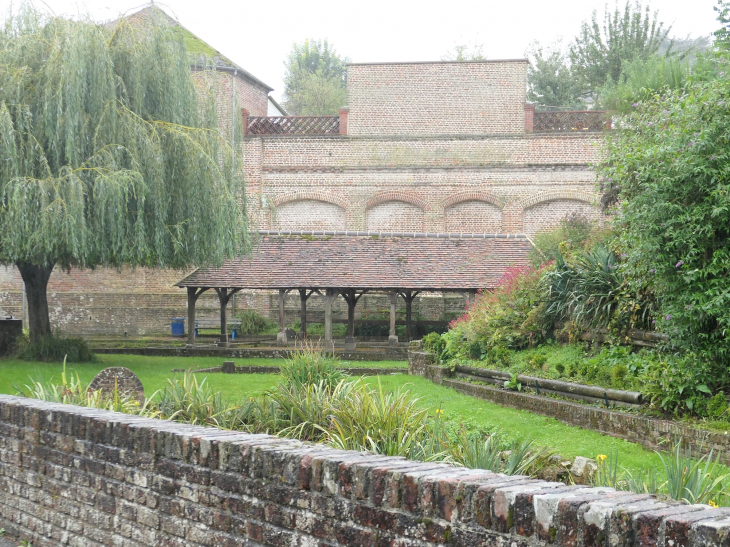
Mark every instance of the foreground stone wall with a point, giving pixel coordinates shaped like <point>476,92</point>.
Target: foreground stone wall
<point>79,476</point>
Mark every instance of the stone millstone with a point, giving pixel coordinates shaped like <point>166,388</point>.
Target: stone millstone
<point>127,382</point>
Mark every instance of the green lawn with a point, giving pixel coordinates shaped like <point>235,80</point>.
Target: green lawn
<point>568,441</point>
<point>154,371</point>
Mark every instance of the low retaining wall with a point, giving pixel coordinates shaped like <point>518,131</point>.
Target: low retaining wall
<point>85,477</point>
<point>648,432</point>
<point>354,371</point>
<point>247,353</point>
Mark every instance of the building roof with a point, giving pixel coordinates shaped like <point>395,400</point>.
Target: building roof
<point>369,260</point>
<point>201,53</point>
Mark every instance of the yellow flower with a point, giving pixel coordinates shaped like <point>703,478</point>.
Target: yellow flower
<point>439,413</point>
<point>601,458</point>
<point>712,504</point>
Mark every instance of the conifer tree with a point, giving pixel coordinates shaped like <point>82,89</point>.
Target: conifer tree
<point>110,154</point>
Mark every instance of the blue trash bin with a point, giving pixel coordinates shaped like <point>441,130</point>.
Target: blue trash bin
<point>178,326</point>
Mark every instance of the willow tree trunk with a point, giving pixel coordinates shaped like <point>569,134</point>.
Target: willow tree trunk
<point>36,283</point>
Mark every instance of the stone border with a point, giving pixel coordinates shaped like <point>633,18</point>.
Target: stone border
<point>106,478</point>
<point>253,369</point>
<point>247,353</point>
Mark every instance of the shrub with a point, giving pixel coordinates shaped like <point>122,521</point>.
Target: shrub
<point>498,356</point>
<point>52,348</point>
<point>576,233</point>
<point>389,423</point>
<point>717,405</point>
<point>252,322</point>
<point>189,401</point>
<point>506,317</point>
<point>677,384</point>
<point>311,365</point>
<point>434,343</point>
<point>667,167</point>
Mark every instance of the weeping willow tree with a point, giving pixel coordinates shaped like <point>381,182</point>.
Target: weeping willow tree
<point>110,154</point>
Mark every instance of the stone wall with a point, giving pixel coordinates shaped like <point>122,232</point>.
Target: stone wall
<point>84,477</point>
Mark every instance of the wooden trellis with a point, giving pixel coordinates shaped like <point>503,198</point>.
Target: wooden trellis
<point>293,125</point>
<point>567,121</point>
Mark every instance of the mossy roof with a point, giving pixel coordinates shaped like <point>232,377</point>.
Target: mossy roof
<point>201,53</point>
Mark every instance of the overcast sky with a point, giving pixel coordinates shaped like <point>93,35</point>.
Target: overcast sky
<point>258,34</point>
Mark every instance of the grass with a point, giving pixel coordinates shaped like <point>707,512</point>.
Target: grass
<point>154,371</point>
<point>568,441</point>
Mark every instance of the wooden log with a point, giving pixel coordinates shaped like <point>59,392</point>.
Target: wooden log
<point>633,397</point>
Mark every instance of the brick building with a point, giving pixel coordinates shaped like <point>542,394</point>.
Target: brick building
<point>420,147</point>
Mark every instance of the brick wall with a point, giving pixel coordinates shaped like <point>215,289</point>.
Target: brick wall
<point>467,166</point>
<point>546,215</point>
<point>482,184</point>
<point>79,476</point>
<point>442,98</point>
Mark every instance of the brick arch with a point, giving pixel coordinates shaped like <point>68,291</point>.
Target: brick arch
<point>314,195</point>
<point>395,195</point>
<point>472,195</point>
<point>553,195</point>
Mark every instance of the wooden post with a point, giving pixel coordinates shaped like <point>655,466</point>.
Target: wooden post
<point>281,336</point>
<point>192,297</point>
<point>351,297</point>
<point>409,317</point>
<point>329,297</point>
<point>223,297</point>
<point>303,313</point>
<point>193,294</point>
<point>393,337</point>
<point>409,297</point>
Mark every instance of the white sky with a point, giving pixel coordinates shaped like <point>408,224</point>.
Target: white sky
<point>257,35</point>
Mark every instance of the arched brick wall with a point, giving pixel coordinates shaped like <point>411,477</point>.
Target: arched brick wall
<point>473,195</point>
<point>313,195</point>
<point>309,214</point>
<point>396,195</point>
<point>555,195</point>
<point>396,216</point>
<point>309,210</point>
<point>473,216</point>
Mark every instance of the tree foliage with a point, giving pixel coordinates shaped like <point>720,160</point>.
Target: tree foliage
<point>600,50</point>
<point>668,165</point>
<point>111,156</point>
<point>465,52</point>
<point>550,80</point>
<point>315,79</point>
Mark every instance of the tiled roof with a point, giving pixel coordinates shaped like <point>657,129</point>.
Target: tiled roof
<point>370,260</point>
